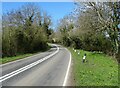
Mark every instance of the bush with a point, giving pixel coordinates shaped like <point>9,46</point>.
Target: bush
<point>76,42</point>
<point>118,55</point>
<point>66,41</point>
<point>9,45</point>
<point>90,42</point>
<point>17,40</point>
<point>24,31</point>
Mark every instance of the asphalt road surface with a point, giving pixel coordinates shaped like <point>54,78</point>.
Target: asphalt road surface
<point>50,68</point>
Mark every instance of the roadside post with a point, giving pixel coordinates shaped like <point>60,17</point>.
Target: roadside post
<point>78,52</point>
<point>84,57</point>
<point>75,50</point>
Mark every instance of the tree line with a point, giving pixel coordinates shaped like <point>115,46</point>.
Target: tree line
<point>93,26</point>
<point>25,30</point>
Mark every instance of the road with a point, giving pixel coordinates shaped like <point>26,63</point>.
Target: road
<point>50,68</point>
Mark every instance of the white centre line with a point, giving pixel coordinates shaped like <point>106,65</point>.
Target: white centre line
<point>9,75</point>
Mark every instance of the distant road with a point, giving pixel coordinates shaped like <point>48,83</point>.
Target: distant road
<point>49,68</point>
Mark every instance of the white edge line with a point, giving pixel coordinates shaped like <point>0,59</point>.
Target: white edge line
<point>9,75</point>
<point>67,72</point>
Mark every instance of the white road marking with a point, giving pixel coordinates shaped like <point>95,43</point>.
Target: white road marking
<point>9,75</point>
<point>67,72</point>
<point>21,59</point>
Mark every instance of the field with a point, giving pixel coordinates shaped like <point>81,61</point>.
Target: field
<point>98,70</point>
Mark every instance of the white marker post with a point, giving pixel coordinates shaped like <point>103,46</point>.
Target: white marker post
<point>78,52</point>
<point>84,57</point>
<point>75,50</point>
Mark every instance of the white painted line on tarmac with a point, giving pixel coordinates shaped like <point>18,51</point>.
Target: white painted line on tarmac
<point>9,75</point>
<point>68,69</point>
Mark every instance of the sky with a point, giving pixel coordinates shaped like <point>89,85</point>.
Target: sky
<point>56,10</point>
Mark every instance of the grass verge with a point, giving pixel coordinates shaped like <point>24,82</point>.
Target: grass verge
<point>20,56</point>
<point>99,70</point>
<point>10,59</point>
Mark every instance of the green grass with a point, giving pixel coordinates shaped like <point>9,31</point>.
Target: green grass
<point>9,59</point>
<point>20,56</point>
<point>99,70</point>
